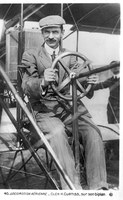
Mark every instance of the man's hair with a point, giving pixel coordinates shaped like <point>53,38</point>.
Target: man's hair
<point>112,62</point>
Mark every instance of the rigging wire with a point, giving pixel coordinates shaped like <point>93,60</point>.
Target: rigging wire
<point>7,11</point>
<point>36,10</point>
<point>22,172</point>
<point>73,17</point>
<point>98,27</point>
<point>68,6</point>
<point>90,12</point>
<point>85,16</point>
<point>116,25</point>
<point>114,28</point>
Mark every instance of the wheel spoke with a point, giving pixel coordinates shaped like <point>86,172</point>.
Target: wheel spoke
<point>63,84</point>
<point>64,66</point>
<point>80,87</point>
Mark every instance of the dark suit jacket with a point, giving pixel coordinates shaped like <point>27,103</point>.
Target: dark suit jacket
<point>114,88</point>
<point>114,96</point>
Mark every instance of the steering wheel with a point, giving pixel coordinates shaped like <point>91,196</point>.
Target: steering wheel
<point>70,75</point>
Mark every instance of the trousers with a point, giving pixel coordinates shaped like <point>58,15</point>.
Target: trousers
<point>54,128</point>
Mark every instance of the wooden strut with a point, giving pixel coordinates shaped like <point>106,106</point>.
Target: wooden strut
<point>37,129</point>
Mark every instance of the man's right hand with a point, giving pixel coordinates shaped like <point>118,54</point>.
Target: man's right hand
<point>49,75</point>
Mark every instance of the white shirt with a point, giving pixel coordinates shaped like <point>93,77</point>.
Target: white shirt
<point>51,50</point>
<point>116,76</point>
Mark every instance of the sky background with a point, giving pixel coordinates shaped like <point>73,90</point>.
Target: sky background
<point>98,47</point>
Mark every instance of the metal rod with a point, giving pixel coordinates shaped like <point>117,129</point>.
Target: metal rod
<point>20,46</point>
<point>75,126</point>
<point>61,9</point>
<point>37,129</point>
<point>33,12</point>
<point>77,41</point>
<point>98,70</point>
<point>61,42</point>
<point>20,51</point>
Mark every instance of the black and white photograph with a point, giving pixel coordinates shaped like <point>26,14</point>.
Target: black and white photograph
<point>60,100</point>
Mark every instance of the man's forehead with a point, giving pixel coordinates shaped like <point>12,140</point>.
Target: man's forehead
<point>53,28</point>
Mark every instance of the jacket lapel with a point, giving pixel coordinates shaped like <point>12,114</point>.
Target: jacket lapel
<point>46,62</point>
<point>44,58</point>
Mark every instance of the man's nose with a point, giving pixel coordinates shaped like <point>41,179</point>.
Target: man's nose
<point>51,35</point>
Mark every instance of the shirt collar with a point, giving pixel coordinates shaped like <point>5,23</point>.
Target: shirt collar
<point>116,76</point>
<point>51,50</point>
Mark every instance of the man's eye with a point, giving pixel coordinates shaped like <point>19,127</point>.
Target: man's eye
<point>46,32</point>
<point>55,32</point>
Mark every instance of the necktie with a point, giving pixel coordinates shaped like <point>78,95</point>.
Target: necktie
<point>57,72</point>
<point>53,56</point>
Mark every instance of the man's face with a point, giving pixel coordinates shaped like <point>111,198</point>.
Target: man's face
<point>115,70</point>
<point>52,36</point>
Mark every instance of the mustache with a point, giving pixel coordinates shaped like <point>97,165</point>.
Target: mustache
<point>50,40</point>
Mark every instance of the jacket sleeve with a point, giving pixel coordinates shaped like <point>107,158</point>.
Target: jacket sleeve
<point>31,81</point>
<point>102,85</point>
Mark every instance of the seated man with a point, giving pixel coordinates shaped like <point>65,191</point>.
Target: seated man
<point>36,83</point>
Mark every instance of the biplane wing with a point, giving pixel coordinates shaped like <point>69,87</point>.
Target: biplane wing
<point>93,17</point>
